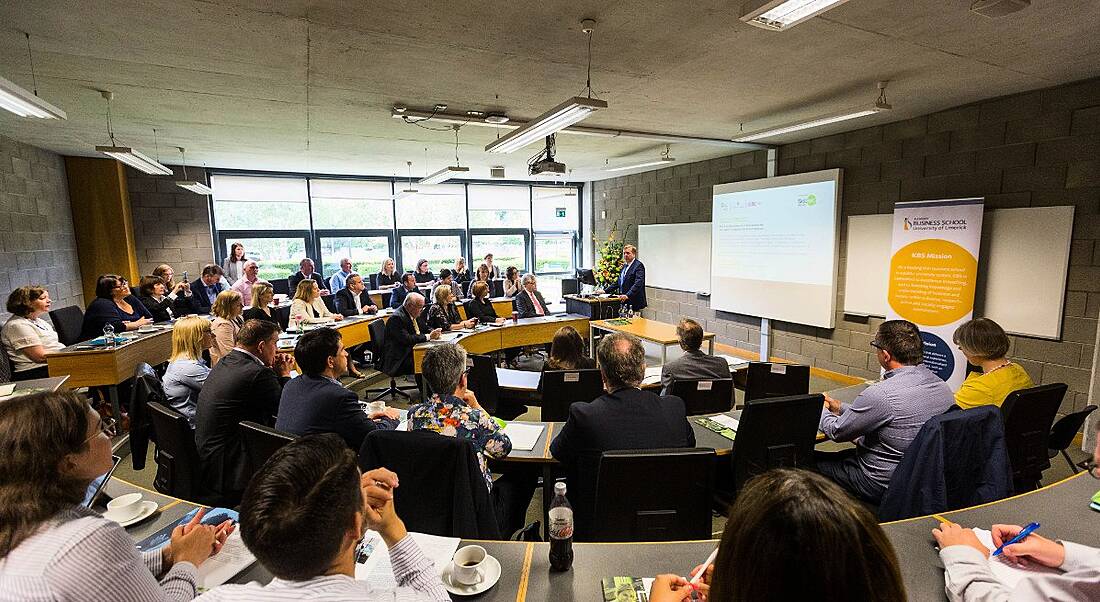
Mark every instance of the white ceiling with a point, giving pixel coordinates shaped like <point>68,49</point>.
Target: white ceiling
<point>250,83</point>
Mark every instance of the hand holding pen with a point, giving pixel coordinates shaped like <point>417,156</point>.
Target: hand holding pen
<point>1022,545</point>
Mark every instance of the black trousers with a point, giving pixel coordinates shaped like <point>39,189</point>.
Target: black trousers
<point>41,372</point>
<point>512,494</point>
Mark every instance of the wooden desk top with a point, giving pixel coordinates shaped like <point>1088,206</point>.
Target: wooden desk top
<point>649,330</point>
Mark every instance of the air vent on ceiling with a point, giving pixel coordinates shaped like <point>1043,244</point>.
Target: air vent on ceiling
<point>994,9</point>
<point>496,171</point>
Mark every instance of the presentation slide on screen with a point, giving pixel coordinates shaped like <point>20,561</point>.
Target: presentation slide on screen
<point>774,248</point>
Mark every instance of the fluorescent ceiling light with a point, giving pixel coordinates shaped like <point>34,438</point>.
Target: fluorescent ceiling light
<point>879,106</point>
<point>443,175</point>
<point>25,104</point>
<point>135,159</point>
<point>660,161</point>
<point>195,187</point>
<point>780,15</point>
<point>562,116</point>
<point>404,194</point>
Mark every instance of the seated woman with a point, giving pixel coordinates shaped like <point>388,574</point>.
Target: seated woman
<point>27,338</point>
<point>512,285</point>
<point>52,547</point>
<point>152,295</point>
<point>262,294</point>
<point>178,292</point>
<point>985,345</point>
<point>795,518</point>
<point>422,273</point>
<point>479,307</point>
<point>388,276</point>
<point>461,272</point>
<point>308,307</point>
<point>483,274</point>
<point>113,305</point>
<point>567,351</point>
<point>227,309</point>
<point>187,370</point>
<point>443,314</point>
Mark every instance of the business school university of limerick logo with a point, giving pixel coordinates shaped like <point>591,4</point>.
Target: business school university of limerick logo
<point>807,200</point>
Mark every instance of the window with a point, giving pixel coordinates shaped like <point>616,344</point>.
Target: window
<point>499,207</point>
<point>260,203</point>
<point>278,256</point>
<point>441,207</point>
<point>507,250</point>
<point>440,251</point>
<point>554,253</point>
<point>366,253</point>
<point>351,204</point>
<point>555,209</point>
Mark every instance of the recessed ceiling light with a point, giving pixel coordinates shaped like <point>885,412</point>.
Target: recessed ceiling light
<point>780,15</point>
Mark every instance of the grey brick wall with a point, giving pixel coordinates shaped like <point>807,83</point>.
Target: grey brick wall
<point>1039,148</point>
<point>36,225</point>
<point>171,225</point>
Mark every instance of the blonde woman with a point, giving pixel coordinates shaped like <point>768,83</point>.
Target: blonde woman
<point>227,309</point>
<point>308,306</point>
<point>262,295</point>
<point>187,370</point>
<point>443,314</point>
<point>388,276</point>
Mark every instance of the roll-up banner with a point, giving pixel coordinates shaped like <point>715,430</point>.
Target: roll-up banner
<point>933,272</point>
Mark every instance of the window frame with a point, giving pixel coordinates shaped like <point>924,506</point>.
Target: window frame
<point>499,232</point>
<point>463,243</point>
<point>573,234</point>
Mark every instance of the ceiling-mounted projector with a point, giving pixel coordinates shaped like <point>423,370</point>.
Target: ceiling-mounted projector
<point>998,8</point>
<point>543,164</point>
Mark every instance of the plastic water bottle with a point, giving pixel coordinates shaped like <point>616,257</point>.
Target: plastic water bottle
<point>561,531</point>
<point>109,335</point>
<point>629,311</point>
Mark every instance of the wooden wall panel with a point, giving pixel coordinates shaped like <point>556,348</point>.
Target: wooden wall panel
<point>102,220</point>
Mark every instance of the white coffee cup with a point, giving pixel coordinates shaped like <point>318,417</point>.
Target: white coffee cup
<point>466,565</point>
<point>146,328</point>
<point>376,407</point>
<point>124,507</point>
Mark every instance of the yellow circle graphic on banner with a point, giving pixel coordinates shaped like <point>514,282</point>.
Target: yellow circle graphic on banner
<point>932,282</point>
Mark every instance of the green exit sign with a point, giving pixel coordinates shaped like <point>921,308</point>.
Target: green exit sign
<point>561,211</point>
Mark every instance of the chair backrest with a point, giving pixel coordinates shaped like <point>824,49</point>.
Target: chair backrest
<point>562,388</point>
<point>442,489</point>
<point>280,286</point>
<point>1029,415</point>
<point>5,366</point>
<point>377,331</point>
<point>497,286</point>
<point>765,379</point>
<point>260,442</point>
<point>775,433</point>
<point>704,396</point>
<point>146,389</point>
<point>482,380</point>
<point>629,508</point>
<point>1063,431</point>
<point>282,314</point>
<point>68,322</point>
<point>330,302</point>
<point>178,470</point>
<point>373,278</point>
<point>466,288</point>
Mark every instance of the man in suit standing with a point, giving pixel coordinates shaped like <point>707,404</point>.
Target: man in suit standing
<point>529,302</point>
<point>244,385</point>
<point>404,330</point>
<point>206,288</point>
<point>623,418</point>
<point>631,284</point>
<point>353,300</point>
<point>408,285</point>
<point>305,270</point>
<point>316,402</point>
<point>693,364</point>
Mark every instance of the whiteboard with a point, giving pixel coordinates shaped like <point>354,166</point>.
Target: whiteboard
<point>1021,271</point>
<point>676,256</point>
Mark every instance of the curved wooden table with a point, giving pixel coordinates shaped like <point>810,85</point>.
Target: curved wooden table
<point>526,331</point>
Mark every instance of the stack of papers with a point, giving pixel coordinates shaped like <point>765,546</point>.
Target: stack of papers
<point>652,375</point>
<point>233,558</point>
<point>523,436</point>
<point>372,561</point>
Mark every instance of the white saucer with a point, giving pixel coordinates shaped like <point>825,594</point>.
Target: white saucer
<point>490,576</point>
<point>148,507</point>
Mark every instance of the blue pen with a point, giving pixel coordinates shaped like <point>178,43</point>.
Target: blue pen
<point>1028,530</point>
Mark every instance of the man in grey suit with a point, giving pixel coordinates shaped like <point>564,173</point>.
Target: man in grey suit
<point>694,364</point>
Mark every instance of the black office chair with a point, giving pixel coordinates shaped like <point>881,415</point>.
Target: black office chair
<point>68,322</point>
<point>260,442</point>
<point>372,279</point>
<point>280,286</point>
<point>772,433</point>
<point>178,469</point>
<point>5,368</point>
<point>1061,435</point>
<point>562,388</point>
<point>145,389</point>
<point>282,314</point>
<point>629,508</point>
<point>377,329</point>
<point>443,491</point>
<point>1029,416</point>
<point>482,380</point>
<point>765,379</point>
<point>330,303</point>
<point>704,396</point>
<point>497,286</point>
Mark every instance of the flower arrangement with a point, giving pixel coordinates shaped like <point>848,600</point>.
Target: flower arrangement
<point>609,261</point>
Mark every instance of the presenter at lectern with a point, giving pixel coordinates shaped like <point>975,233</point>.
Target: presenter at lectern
<point>631,284</point>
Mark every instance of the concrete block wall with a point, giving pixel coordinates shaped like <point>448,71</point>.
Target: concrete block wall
<point>1038,148</point>
<point>36,225</point>
<point>171,225</point>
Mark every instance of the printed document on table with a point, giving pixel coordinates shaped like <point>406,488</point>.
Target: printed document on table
<point>233,558</point>
<point>652,375</point>
<point>373,557</point>
<point>726,421</point>
<point>523,436</point>
<point>1004,570</point>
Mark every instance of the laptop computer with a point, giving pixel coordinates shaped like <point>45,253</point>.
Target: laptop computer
<point>96,486</point>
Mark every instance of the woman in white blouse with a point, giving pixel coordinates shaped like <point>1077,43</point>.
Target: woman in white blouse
<point>52,547</point>
<point>308,307</point>
<point>27,338</point>
<point>227,309</point>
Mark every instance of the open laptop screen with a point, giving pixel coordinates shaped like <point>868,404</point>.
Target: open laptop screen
<point>96,486</point>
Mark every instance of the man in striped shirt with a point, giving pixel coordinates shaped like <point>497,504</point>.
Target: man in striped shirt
<point>303,515</point>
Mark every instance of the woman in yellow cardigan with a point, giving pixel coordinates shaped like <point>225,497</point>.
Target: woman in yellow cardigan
<point>985,345</point>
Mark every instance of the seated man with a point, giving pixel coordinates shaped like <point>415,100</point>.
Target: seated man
<point>206,288</point>
<point>306,271</point>
<point>339,280</point>
<point>316,402</point>
<point>693,364</point>
<point>353,299</point>
<point>886,416</point>
<point>404,330</point>
<point>244,385</point>
<point>303,516</point>
<point>529,301</point>
<point>626,417</point>
<point>408,285</point>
